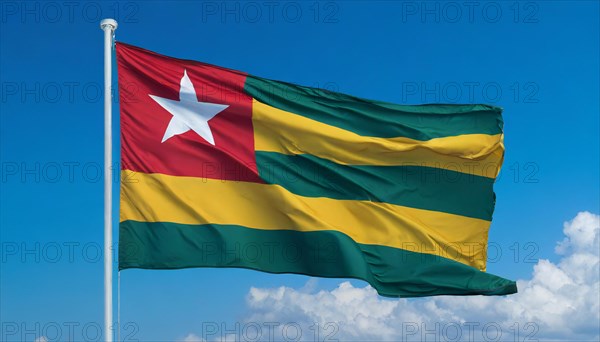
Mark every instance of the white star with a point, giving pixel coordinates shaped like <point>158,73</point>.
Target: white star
<point>188,113</point>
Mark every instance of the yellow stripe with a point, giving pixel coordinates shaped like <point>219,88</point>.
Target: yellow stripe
<point>276,130</point>
<point>189,200</point>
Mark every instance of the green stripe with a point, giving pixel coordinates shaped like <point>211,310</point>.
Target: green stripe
<point>411,186</point>
<point>392,272</point>
<point>376,118</point>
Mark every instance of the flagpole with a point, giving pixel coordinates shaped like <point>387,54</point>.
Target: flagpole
<point>108,26</point>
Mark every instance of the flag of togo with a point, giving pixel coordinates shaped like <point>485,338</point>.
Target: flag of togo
<point>225,169</point>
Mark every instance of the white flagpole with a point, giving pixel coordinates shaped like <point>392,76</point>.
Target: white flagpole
<point>108,26</point>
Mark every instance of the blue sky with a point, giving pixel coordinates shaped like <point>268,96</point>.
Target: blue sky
<point>537,60</point>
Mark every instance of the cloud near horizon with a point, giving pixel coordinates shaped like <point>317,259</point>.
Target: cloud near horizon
<point>561,301</point>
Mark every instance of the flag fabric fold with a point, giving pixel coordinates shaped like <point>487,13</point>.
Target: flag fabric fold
<point>225,169</point>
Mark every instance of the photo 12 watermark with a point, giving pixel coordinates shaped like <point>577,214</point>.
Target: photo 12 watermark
<point>469,331</point>
<point>270,12</point>
<point>456,92</point>
<point>488,12</point>
<point>55,331</point>
<point>70,12</point>
<point>250,331</point>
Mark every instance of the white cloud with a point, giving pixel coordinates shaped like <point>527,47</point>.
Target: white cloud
<point>192,338</point>
<point>41,339</point>
<point>561,301</point>
<point>225,338</point>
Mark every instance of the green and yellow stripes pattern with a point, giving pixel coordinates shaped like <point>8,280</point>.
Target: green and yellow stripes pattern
<point>439,159</point>
<point>411,186</point>
<point>393,272</point>
<point>375,118</point>
<point>283,132</point>
<point>399,196</point>
<point>190,200</point>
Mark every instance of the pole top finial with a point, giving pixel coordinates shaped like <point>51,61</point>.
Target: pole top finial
<point>108,23</point>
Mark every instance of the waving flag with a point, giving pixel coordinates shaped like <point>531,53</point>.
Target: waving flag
<point>225,169</point>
